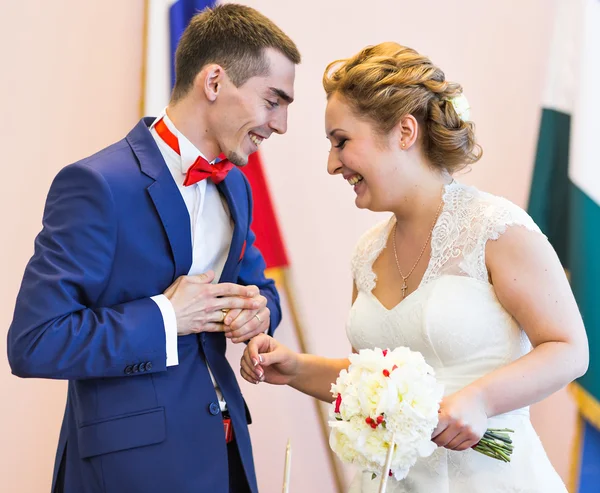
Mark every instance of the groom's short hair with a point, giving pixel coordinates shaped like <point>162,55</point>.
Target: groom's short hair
<point>233,36</point>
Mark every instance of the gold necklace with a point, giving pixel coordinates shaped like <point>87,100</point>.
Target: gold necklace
<point>404,278</point>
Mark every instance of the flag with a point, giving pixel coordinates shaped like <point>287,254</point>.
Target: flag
<point>277,412</point>
<point>565,199</point>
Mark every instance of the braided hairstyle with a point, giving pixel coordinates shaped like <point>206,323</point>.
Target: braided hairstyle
<point>388,81</point>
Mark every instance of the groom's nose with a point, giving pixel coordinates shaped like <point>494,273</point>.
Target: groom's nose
<point>278,122</point>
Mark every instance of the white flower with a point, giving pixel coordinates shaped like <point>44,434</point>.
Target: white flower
<point>382,394</point>
<point>461,106</point>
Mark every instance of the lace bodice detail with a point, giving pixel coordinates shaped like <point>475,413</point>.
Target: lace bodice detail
<point>469,218</point>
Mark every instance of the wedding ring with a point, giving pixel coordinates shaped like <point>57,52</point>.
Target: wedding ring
<point>258,318</point>
<point>224,311</point>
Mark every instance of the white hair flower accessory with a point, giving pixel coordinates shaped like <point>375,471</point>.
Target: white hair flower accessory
<point>461,106</point>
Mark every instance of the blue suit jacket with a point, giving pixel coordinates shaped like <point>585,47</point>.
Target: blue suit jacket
<point>115,232</point>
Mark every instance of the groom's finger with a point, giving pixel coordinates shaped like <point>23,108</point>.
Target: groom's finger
<point>257,324</point>
<point>231,316</point>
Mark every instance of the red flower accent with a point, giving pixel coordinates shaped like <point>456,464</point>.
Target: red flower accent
<point>394,367</point>
<point>374,425</point>
<point>369,420</point>
<point>390,473</point>
<point>338,403</point>
<point>379,420</point>
<point>385,351</point>
<point>386,373</point>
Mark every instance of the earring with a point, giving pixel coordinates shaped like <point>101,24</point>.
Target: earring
<point>403,145</point>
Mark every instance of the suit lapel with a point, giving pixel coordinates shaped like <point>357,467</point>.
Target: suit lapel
<point>176,221</point>
<point>165,195</point>
<point>225,189</point>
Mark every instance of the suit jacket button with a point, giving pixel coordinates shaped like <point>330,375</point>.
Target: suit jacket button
<point>128,370</point>
<point>214,408</point>
<point>148,365</point>
<point>143,366</point>
<point>136,368</point>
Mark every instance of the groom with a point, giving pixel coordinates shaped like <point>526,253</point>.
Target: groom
<point>146,263</point>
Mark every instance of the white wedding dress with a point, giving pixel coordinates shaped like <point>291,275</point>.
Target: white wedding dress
<point>456,321</point>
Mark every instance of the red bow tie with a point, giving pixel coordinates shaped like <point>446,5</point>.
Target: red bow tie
<point>201,169</point>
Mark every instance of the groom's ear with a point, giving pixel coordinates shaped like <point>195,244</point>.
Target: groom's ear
<point>407,130</point>
<point>210,81</point>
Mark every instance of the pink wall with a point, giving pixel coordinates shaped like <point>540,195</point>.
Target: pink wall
<point>70,86</point>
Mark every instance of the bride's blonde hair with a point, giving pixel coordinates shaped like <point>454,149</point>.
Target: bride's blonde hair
<point>388,81</point>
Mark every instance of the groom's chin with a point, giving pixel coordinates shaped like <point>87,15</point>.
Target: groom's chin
<point>238,158</point>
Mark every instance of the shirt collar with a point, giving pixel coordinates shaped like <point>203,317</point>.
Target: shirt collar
<point>188,151</point>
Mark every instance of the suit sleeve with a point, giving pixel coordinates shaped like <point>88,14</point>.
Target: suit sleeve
<point>58,330</point>
<point>252,271</point>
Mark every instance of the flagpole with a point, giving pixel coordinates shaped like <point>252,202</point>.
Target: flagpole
<point>286,286</point>
<point>146,14</point>
<point>576,455</point>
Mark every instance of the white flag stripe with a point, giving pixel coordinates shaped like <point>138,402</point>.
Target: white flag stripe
<point>158,72</point>
<point>561,75</point>
<point>584,161</point>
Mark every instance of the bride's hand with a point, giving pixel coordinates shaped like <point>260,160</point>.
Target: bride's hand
<point>462,420</point>
<point>266,360</point>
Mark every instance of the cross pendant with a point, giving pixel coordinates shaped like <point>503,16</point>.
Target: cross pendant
<point>404,288</point>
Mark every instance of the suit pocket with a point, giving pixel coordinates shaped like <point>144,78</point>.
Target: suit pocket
<point>122,432</point>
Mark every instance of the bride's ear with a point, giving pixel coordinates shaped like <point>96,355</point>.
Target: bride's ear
<point>407,131</point>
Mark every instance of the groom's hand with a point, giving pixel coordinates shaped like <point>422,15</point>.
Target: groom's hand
<point>242,325</point>
<point>201,306</point>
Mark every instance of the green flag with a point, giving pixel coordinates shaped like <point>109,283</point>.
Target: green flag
<point>565,192</point>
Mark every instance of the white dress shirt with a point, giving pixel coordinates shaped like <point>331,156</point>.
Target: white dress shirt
<point>211,228</point>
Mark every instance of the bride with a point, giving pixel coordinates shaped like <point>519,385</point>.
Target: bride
<point>462,276</point>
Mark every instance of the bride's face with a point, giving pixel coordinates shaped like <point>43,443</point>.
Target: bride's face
<point>365,159</point>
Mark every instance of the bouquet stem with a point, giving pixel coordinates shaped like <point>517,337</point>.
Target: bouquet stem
<point>496,444</point>
<point>388,462</point>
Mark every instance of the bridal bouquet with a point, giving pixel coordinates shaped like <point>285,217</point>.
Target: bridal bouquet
<point>392,395</point>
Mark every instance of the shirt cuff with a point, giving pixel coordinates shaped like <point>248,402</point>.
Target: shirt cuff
<point>170,323</point>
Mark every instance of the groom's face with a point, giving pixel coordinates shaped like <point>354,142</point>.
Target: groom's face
<point>247,115</point>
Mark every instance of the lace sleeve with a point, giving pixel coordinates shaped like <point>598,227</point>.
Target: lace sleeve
<point>498,214</point>
<point>504,214</point>
<point>367,250</point>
